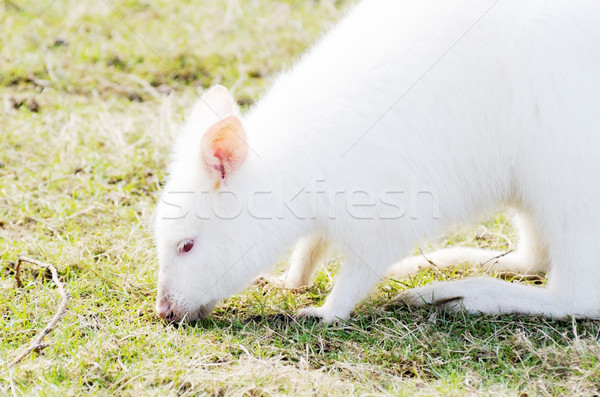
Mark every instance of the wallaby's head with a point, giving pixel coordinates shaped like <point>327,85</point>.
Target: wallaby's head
<point>200,237</point>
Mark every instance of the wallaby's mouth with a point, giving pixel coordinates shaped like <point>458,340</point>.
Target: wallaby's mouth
<point>171,313</point>
<point>203,311</point>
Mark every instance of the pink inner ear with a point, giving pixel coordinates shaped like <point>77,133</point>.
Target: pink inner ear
<point>224,147</point>
<point>223,158</point>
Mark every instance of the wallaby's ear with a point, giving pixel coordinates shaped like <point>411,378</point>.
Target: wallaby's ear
<point>218,101</point>
<point>224,147</point>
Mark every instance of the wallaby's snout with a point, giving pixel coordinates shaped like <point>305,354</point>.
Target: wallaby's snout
<point>171,309</point>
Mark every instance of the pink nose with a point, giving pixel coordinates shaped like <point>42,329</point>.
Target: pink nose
<point>165,310</point>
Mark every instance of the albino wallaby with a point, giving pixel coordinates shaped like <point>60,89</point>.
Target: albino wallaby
<point>407,118</point>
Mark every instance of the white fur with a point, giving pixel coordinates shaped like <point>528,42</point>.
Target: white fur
<point>483,104</point>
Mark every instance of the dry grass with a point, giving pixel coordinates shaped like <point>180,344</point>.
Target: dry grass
<point>87,112</point>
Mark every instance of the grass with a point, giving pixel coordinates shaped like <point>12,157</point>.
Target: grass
<point>91,95</point>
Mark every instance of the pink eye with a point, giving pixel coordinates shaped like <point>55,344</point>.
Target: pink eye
<point>185,246</point>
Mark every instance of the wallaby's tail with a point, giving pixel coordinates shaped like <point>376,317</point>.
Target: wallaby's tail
<point>518,261</point>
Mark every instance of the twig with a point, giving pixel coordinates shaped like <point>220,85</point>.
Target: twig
<point>428,260</point>
<point>12,5</point>
<point>495,258</point>
<point>37,342</point>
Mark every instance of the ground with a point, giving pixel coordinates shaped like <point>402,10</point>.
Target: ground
<point>91,95</point>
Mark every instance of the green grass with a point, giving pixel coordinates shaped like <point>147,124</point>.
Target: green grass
<point>91,97</point>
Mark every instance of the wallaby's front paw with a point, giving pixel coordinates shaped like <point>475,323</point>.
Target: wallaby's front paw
<point>268,279</point>
<point>326,316</point>
<point>279,282</point>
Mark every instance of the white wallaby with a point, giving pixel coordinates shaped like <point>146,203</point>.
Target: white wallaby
<point>407,118</point>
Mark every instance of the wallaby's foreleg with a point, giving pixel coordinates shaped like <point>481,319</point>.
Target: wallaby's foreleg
<point>309,252</point>
<point>355,280</point>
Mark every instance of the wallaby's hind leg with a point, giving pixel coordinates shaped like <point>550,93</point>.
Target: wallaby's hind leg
<point>530,257</point>
<point>569,253</point>
<point>308,253</point>
<point>571,288</point>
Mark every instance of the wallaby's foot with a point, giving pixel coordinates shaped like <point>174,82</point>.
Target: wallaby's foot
<point>485,295</point>
<point>446,298</point>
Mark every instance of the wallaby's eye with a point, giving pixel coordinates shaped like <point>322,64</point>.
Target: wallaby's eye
<point>185,246</point>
